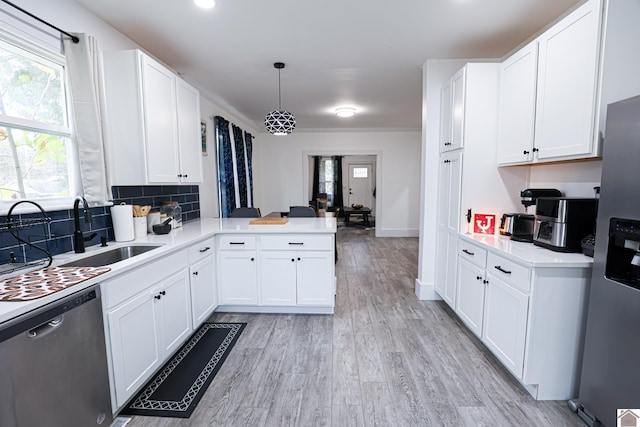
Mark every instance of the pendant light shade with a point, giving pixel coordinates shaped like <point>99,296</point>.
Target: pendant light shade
<point>280,122</point>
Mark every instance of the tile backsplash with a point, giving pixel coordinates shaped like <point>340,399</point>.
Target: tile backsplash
<point>57,236</point>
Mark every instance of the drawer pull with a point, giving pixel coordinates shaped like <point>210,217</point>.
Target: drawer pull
<point>468,252</point>
<point>497,267</point>
<point>236,243</point>
<point>478,277</point>
<point>205,249</point>
<point>296,243</point>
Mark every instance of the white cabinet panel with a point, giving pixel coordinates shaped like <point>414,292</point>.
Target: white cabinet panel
<point>134,344</point>
<point>173,297</point>
<point>518,76</point>
<point>567,76</point>
<point>278,278</point>
<point>204,295</point>
<point>189,139</point>
<point>451,270</point>
<point>505,323</point>
<point>445,117</point>
<point>237,274</point>
<point>470,299</point>
<point>458,92</point>
<point>315,278</point>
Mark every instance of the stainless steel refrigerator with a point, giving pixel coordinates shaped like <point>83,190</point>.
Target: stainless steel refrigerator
<point>611,364</point>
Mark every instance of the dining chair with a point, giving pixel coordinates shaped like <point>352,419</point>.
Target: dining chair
<point>301,212</point>
<point>245,212</point>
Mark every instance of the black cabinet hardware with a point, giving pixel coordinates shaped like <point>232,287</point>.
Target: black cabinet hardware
<point>236,243</point>
<point>525,152</point>
<point>195,273</point>
<point>468,253</point>
<point>497,267</point>
<point>296,243</point>
<point>205,249</point>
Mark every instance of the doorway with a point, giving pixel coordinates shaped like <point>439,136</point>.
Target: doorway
<point>360,184</point>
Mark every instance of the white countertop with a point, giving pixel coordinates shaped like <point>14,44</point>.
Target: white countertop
<point>177,239</point>
<point>528,254</point>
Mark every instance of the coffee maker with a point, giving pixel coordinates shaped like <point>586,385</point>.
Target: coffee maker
<point>519,226</point>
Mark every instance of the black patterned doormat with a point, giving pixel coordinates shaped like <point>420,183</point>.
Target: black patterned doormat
<point>178,387</point>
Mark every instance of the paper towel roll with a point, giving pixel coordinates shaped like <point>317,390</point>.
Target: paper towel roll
<point>122,217</point>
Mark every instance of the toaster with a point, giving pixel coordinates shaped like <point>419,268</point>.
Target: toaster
<point>518,226</point>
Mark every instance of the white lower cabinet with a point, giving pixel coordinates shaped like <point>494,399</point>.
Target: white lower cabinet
<point>237,273</point>
<point>505,323</point>
<point>273,272</point>
<point>470,299</point>
<point>278,278</point>
<point>204,295</point>
<point>532,318</point>
<point>145,330</point>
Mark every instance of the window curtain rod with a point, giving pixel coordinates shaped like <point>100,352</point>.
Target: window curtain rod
<point>73,38</point>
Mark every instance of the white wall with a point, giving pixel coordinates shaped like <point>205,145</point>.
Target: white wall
<point>573,179</point>
<point>284,172</point>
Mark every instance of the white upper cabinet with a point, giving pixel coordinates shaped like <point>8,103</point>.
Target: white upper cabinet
<point>563,78</point>
<point>152,122</point>
<point>445,117</point>
<point>518,105</point>
<point>452,99</point>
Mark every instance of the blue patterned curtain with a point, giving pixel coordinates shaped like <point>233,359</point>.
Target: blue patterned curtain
<point>225,168</point>
<point>241,169</point>
<point>248,142</point>
<point>234,167</point>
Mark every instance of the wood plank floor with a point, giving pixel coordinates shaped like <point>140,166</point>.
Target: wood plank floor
<point>383,359</point>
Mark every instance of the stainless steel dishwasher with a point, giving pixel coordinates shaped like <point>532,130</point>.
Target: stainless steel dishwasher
<point>53,365</point>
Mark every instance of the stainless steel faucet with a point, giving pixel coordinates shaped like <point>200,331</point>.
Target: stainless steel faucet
<point>78,236</point>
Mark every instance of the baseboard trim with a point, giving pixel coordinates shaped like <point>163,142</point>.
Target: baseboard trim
<point>397,232</point>
<point>426,291</point>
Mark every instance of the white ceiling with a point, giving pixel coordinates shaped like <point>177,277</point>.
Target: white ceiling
<point>362,53</point>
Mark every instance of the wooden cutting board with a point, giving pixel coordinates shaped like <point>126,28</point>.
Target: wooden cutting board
<point>269,221</point>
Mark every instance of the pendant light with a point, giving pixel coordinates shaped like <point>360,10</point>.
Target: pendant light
<point>280,122</point>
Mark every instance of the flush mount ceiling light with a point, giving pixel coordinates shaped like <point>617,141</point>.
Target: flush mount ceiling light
<point>205,4</point>
<point>345,112</point>
<point>280,122</point>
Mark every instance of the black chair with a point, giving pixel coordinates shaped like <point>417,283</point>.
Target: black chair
<point>301,212</point>
<point>245,212</point>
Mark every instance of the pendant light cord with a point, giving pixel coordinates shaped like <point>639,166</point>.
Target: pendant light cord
<point>279,93</point>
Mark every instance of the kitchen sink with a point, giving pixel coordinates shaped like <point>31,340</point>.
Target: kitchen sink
<point>112,256</point>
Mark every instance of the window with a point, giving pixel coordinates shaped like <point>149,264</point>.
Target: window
<point>360,172</point>
<point>36,153</point>
<point>327,179</point>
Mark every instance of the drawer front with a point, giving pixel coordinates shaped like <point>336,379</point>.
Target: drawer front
<point>514,274</point>
<point>201,249</point>
<point>298,242</point>
<point>472,253</point>
<point>130,283</point>
<point>237,242</point>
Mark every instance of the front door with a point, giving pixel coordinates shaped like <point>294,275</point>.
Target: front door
<point>360,185</point>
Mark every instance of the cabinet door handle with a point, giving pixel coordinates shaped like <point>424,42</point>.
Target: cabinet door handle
<point>163,292</point>
<point>535,150</point>
<point>485,282</point>
<point>195,273</point>
<point>497,267</point>
<point>252,259</point>
<point>205,249</point>
<point>236,243</point>
<point>186,176</point>
<point>478,277</point>
<point>298,259</point>
<point>179,175</point>
<point>157,297</point>
<point>525,152</point>
<point>293,260</point>
<point>468,253</point>
<point>296,243</point>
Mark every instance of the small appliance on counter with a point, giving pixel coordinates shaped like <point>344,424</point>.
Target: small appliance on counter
<point>518,226</point>
<point>529,196</point>
<point>562,222</point>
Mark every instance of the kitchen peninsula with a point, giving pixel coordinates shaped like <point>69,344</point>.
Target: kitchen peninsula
<point>249,269</point>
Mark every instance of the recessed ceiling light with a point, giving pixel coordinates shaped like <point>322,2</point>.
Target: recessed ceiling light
<point>205,4</point>
<point>345,112</point>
